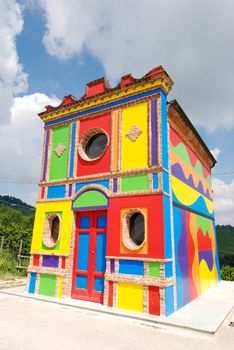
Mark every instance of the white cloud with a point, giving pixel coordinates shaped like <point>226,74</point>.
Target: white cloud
<point>192,40</point>
<point>21,141</point>
<point>224,202</point>
<point>216,152</point>
<point>13,79</point>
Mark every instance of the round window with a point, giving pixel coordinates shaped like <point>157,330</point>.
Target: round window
<point>51,230</point>
<point>96,145</point>
<point>93,144</point>
<point>137,228</point>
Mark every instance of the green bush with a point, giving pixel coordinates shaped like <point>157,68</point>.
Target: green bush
<point>227,273</point>
<point>7,263</point>
<point>15,227</point>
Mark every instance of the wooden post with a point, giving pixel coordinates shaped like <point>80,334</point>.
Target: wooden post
<point>1,246</point>
<point>20,247</point>
<point>19,254</point>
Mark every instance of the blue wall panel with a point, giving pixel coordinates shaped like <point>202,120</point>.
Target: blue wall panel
<point>155,181</point>
<point>56,192</point>
<point>165,147</point>
<point>73,137</point>
<point>167,227</point>
<point>32,282</point>
<point>169,300</point>
<point>166,187</point>
<point>131,267</point>
<point>168,269</point>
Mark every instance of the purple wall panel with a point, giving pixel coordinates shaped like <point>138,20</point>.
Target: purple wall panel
<point>154,132</point>
<point>50,261</point>
<point>46,154</point>
<point>114,185</point>
<point>112,266</point>
<point>70,190</point>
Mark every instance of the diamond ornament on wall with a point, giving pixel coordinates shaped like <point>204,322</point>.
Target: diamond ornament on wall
<point>60,149</point>
<point>134,133</point>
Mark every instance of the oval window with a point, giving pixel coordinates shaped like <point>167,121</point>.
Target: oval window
<point>55,225</point>
<point>137,228</point>
<point>96,145</point>
<point>52,228</point>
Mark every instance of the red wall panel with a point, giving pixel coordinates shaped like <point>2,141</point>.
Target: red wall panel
<point>154,300</point>
<point>110,293</point>
<point>36,260</point>
<point>154,204</point>
<point>101,165</point>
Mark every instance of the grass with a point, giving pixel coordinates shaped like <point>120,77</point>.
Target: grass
<point>7,267</point>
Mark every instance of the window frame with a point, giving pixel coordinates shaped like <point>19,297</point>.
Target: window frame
<point>84,142</point>
<point>126,236</point>
<point>47,239</point>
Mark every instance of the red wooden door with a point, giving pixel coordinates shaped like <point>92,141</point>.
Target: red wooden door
<point>89,256</point>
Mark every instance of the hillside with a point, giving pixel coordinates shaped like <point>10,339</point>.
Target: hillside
<point>17,204</point>
<point>225,238</point>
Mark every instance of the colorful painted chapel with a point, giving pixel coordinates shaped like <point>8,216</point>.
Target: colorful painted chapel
<point>125,213</point>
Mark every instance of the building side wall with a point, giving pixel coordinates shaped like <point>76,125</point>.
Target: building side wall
<point>196,256</point>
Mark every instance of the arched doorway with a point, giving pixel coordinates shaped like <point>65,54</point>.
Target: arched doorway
<point>89,265</point>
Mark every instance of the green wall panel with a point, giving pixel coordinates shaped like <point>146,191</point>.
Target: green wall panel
<point>134,183</point>
<point>47,285</point>
<point>59,165</point>
<point>154,269</point>
<point>90,199</point>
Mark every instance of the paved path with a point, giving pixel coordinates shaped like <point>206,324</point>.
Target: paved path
<point>29,324</point>
<point>206,313</point>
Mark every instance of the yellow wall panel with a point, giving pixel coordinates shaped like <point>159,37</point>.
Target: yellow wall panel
<point>130,296</point>
<point>135,153</point>
<point>60,287</point>
<point>42,211</point>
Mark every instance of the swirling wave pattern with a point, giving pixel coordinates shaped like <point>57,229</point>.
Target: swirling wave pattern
<point>199,184</point>
<point>187,196</point>
<point>195,254</point>
<point>186,154</point>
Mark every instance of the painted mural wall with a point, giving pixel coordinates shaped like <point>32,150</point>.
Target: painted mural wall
<point>197,265</point>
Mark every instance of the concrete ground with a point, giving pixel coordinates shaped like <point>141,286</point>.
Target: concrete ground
<point>30,324</point>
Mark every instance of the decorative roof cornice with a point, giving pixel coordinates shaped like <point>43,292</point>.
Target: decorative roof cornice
<point>99,90</point>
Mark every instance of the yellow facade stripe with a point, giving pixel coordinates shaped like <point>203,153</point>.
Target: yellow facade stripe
<point>108,98</point>
<point>60,287</point>
<point>115,140</point>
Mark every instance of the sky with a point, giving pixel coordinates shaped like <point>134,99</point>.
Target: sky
<point>52,48</point>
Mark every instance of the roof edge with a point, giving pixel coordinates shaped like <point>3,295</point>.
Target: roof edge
<point>174,103</point>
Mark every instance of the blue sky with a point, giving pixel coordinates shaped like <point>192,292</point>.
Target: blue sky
<point>53,48</point>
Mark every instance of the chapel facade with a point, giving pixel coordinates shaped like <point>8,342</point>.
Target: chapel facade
<point>125,213</point>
